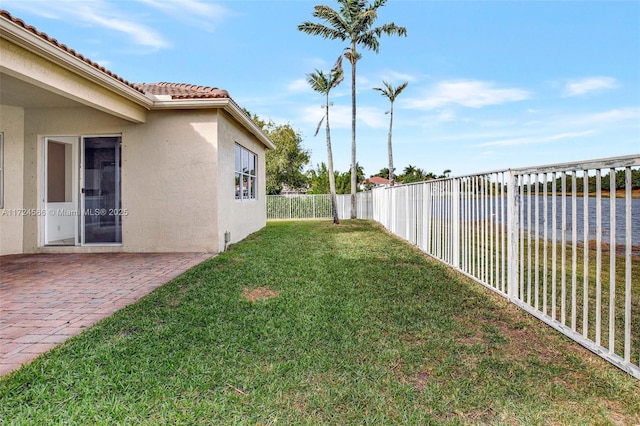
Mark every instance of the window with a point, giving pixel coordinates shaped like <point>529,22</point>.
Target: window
<point>1,170</point>
<point>245,171</point>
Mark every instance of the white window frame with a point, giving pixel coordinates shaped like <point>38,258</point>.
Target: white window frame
<point>245,179</point>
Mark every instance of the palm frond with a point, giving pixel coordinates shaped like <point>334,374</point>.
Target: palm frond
<point>399,89</point>
<point>390,29</point>
<point>337,73</point>
<point>351,9</point>
<point>319,124</point>
<point>391,92</point>
<point>368,40</point>
<point>314,28</point>
<point>338,65</point>
<point>337,78</point>
<point>318,81</point>
<point>333,18</point>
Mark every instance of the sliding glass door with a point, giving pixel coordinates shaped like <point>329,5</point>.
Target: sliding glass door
<point>101,209</point>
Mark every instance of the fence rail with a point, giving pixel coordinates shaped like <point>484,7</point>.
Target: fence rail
<point>560,241</point>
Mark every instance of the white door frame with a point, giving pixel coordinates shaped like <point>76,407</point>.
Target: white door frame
<point>56,215</point>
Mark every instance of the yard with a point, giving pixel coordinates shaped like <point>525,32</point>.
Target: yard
<point>310,323</point>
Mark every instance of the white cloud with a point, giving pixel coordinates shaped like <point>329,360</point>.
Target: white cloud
<point>108,14</point>
<point>203,14</point>
<point>395,77</point>
<point>298,85</point>
<point>446,115</point>
<point>140,34</point>
<point>94,13</point>
<point>528,140</point>
<point>372,117</point>
<point>589,84</point>
<point>468,93</point>
<point>611,116</point>
<point>340,116</point>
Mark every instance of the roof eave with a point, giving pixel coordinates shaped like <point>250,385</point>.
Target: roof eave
<point>35,44</point>
<point>226,104</point>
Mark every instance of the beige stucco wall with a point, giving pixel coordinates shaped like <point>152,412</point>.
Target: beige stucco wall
<point>169,182</point>
<point>168,177</point>
<point>11,217</point>
<point>176,195</point>
<point>240,218</point>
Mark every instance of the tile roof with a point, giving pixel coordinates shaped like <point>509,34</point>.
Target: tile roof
<point>6,15</point>
<point>183,91</point>
<point>378,180</point>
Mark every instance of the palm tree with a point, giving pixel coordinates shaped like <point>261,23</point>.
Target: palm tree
<point>353,22</point>
<point>415,174</point>
<point>323,83</point>
<point>409,174</point>
<point>384,172</point>
<point>392,93</point>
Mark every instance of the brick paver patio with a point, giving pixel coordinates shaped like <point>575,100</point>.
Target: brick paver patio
<point>48,298</point>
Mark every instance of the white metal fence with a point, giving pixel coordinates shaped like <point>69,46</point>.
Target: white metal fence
<point>554,240</point>
<point>316,206</point>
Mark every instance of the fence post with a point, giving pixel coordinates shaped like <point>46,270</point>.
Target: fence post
<point>512,235</point>
<point>455,221</point>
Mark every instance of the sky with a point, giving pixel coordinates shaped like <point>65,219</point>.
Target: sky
<point>491,84</point>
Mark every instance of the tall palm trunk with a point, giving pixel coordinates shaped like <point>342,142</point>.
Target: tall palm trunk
<point>332,176</point>
<point>392,178</point>
<point>392,93</point>
<point>354,175</point>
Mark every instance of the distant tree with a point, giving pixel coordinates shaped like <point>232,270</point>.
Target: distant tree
<point>391,93</point>
<point>319,180</point>
<point>384,173</point>
<point>359,177</point>
<point>343,182</point>
<point>323,83</point>
<point>413,174</point>
<point>621,178</point>
<point>445,174</point>
<point>353,22</point>
<point>285,164</point>
<point>320,177</point>
<point>407,173</point>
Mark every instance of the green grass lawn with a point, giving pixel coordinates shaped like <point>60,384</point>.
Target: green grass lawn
<point>310,323</point>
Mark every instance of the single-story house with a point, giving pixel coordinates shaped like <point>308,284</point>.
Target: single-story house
<point>374,182</point>
<point>92,163</point>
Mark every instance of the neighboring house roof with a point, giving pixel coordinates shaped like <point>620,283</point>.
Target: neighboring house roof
<point>377,180</point>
